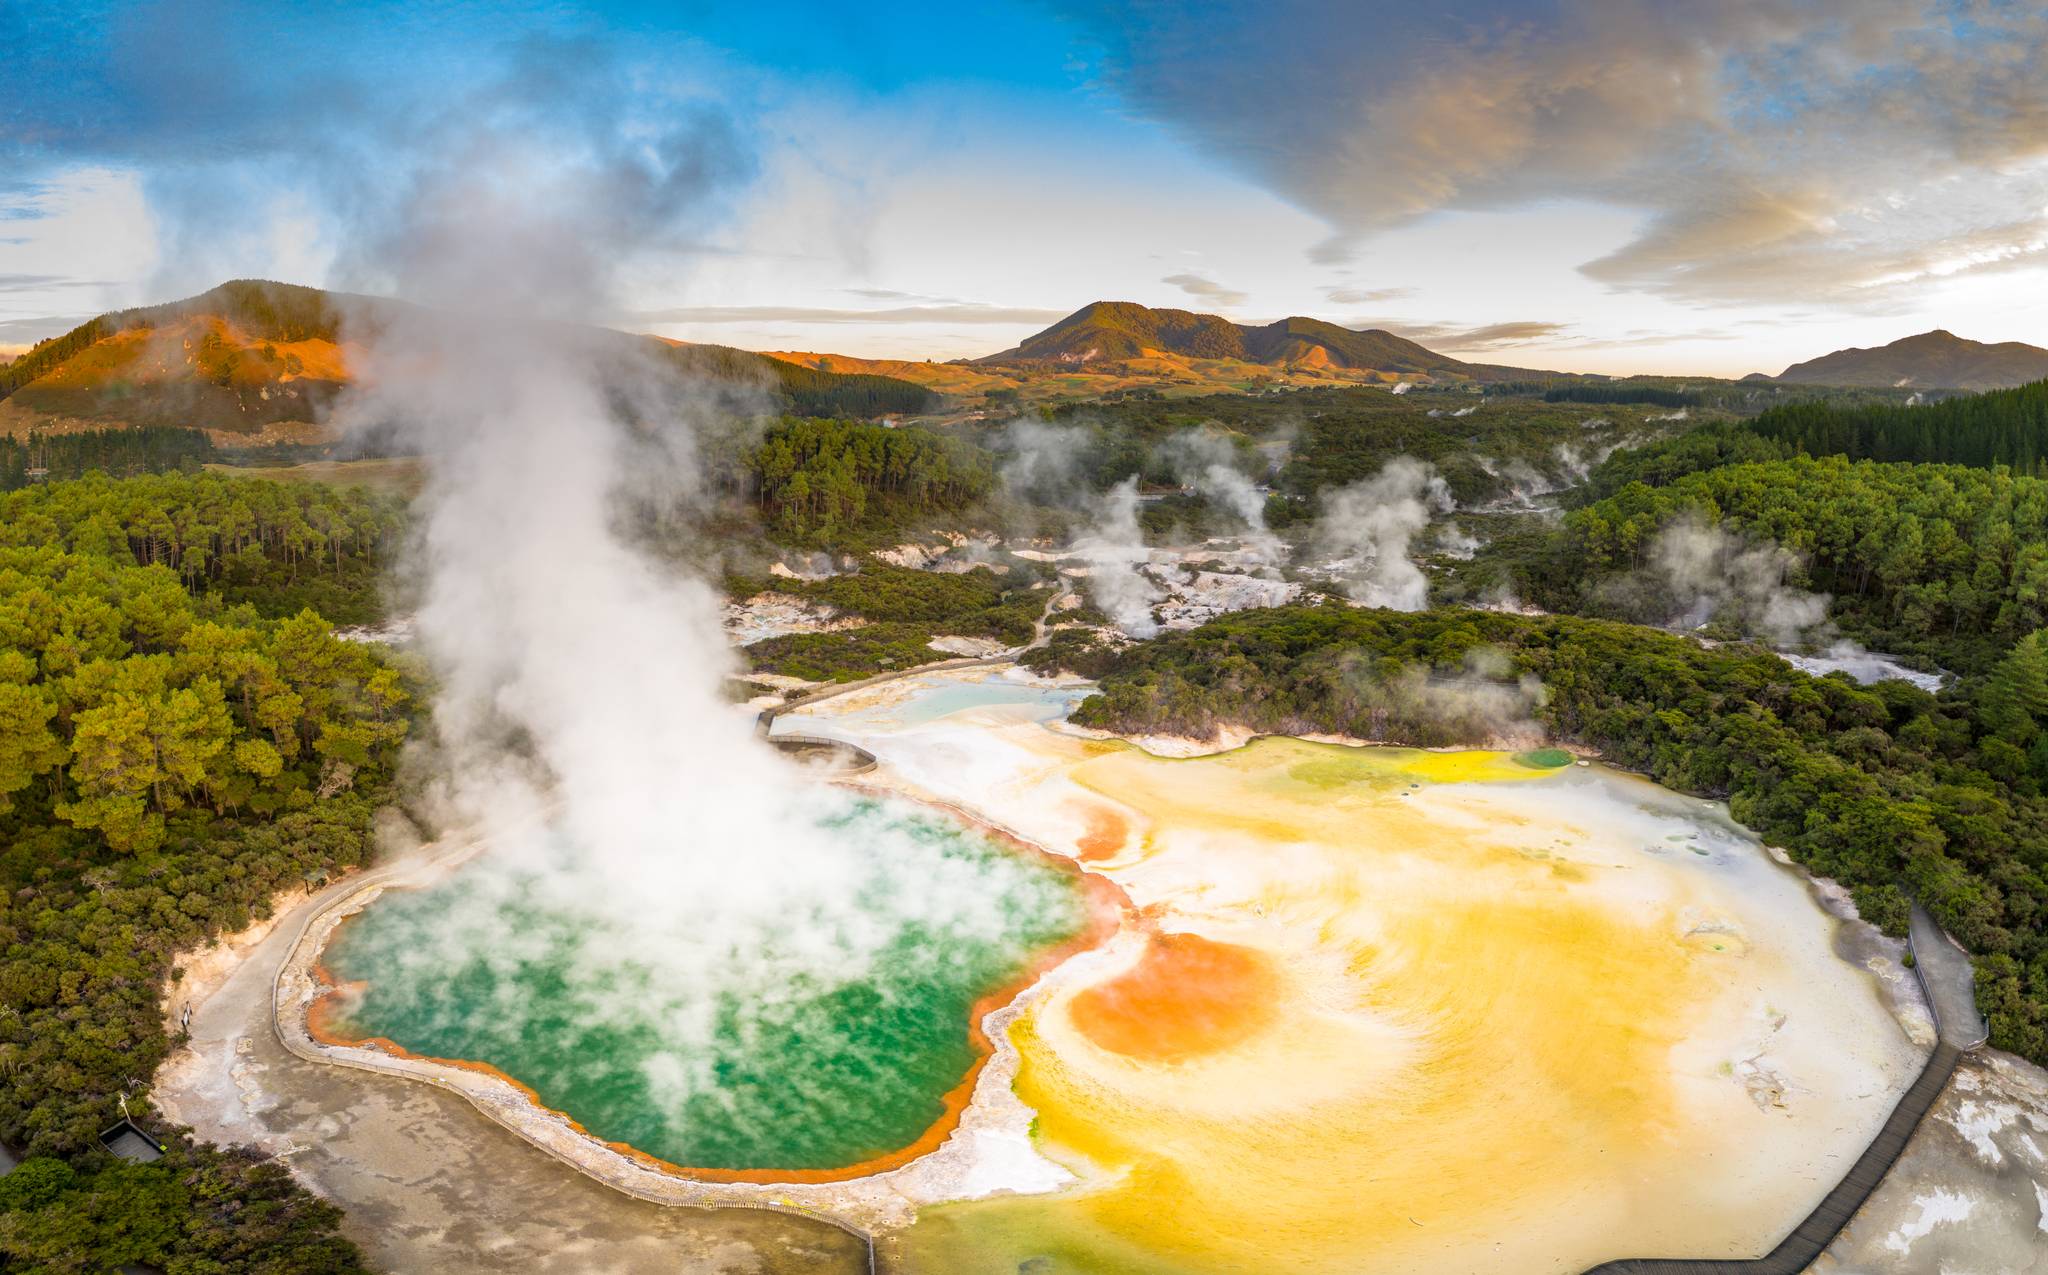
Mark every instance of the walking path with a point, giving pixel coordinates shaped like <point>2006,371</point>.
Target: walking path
<point>1944,973</point>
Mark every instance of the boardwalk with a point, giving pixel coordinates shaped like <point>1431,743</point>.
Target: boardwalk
<point>1944,973</point>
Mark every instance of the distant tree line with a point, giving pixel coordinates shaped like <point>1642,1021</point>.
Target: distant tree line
<point>2000,427</point>
<point>1623,394</point>
<point>121,453</point>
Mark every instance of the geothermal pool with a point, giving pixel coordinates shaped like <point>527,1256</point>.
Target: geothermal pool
<point>808,1077</point>
<point>1363,1009</point>
<point>1379,1009</point>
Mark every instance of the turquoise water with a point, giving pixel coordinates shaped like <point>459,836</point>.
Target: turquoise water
<point>1052,702</point>
<point>702,1060</point>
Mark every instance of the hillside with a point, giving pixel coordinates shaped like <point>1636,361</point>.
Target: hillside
<point>1931,360</point>
<point>1109,332</point>
<point>254,362</point>
<point>977,388</point>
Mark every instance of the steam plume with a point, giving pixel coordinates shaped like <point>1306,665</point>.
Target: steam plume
<point>1713,573</point>
<point>579,719</point>
<point>1114,549</point>
<point>1203,461</point>
<point>1366,530</point>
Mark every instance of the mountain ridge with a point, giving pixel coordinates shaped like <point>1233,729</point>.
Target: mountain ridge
<point>1104,332</point>
<point>254,361</point>
<point>1936,359</point>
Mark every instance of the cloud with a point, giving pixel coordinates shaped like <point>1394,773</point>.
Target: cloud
<point>1445,334</point>
<point>1777,150</point>
<point>1205,289</point>
<point>40,282</point>
<point>1496,335</point>
<point>946,312</point>
<point>270,142</point>
<point>29,331</point>
<point>1367,296</point>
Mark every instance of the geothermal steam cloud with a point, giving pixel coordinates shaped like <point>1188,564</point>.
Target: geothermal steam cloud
<point>1206,462</point>
<point>579,720</point>
<point>1366,529</point>
<point>1114,549</point>
<point>1712,572</point>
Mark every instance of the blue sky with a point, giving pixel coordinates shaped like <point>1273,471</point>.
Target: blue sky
<point>1601,184</point>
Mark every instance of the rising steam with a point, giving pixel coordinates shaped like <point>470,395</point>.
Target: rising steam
<point>1715,574</point>
<point>579,722</point>
<point>1366,530</point>
<point>1206,462</point>
<point>1114,550</point>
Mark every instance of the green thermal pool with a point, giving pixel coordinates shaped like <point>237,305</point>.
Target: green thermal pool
<point>734,1053</point>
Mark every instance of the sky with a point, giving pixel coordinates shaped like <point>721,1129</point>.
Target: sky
<point>1587,185</point>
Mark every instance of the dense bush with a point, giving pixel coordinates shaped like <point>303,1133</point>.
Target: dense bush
<point>1944,560</point>
<point>167,762</point>
<point>280,547</point>
<point>820,481</point>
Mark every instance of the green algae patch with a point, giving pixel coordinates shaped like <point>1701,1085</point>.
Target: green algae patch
<point>1544,758</point>
<point>769,1059</point>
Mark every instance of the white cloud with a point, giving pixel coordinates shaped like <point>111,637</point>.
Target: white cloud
<point>1777,149</point>
<point>82,240</point>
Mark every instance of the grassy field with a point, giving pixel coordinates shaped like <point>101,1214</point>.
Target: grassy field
<point>400,475</point>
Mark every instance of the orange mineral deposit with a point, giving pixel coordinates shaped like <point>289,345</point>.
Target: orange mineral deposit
<point>1187,996</point>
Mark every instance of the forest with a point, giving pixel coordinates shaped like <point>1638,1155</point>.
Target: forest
<point>172,755</point>
<point>1943,560</point>
<point>818,482</point>
<point>1999,427</point>
<point>280,547</point>
<point>1886,789</point>
<point>121,453</point>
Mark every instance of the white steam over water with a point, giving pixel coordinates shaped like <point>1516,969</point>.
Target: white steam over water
<point>579,721</point>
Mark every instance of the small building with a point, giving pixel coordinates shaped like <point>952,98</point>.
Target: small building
<point>127,1139</point>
